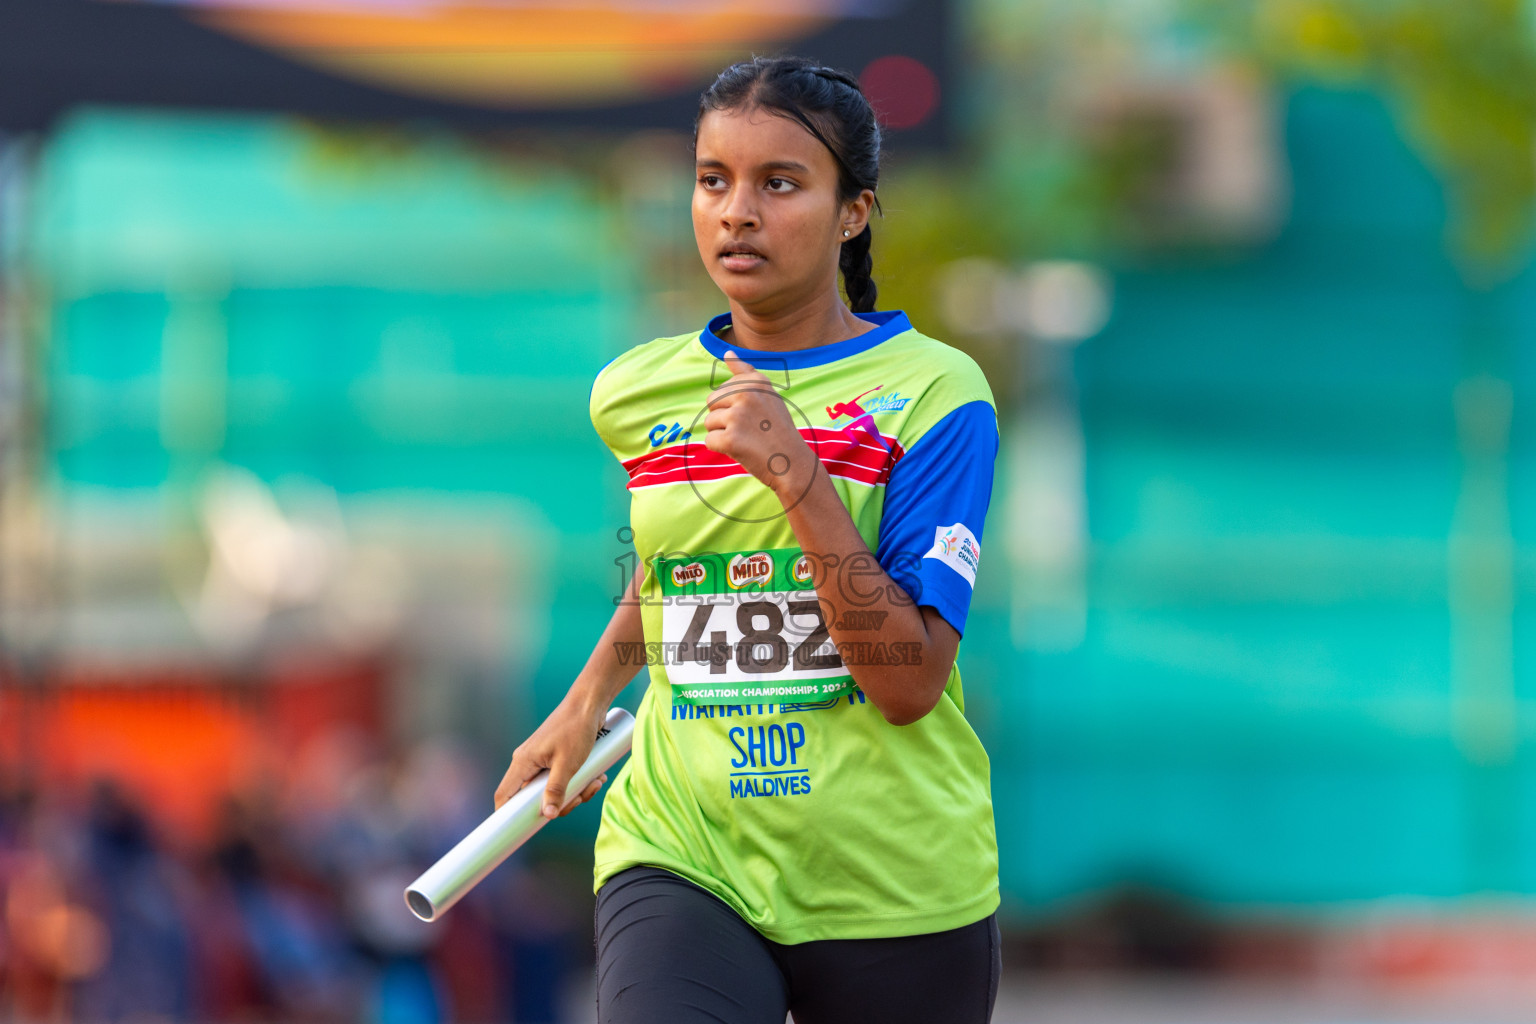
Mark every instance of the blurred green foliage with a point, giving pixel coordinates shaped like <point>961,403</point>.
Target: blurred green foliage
<point>1462,76</point>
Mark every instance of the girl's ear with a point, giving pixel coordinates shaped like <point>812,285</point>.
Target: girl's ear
<point>855,212</point>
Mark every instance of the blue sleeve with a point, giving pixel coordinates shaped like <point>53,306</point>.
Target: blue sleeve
<point>935,507</point>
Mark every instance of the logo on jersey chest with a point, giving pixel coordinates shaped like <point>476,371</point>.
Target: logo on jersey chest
<point>861,414</point>
<point>662,434</point>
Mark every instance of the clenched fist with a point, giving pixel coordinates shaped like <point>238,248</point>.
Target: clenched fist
<point>748,421</point>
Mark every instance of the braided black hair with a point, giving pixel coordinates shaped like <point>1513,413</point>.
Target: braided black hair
<point>829,104</point>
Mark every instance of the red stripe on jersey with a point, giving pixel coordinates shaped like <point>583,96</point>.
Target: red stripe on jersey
<point>857,458</point>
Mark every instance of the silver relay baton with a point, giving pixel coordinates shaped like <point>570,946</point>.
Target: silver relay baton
<point>511,825</point>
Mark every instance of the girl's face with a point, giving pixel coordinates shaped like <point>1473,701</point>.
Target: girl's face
<point>766,214</point>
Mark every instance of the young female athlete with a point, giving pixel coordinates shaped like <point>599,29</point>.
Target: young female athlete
<point>805,821</point>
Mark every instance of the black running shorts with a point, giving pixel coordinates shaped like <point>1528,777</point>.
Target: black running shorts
<point>670,952</point>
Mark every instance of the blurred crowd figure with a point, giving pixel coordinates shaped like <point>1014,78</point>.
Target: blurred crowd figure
<point>291,909</point>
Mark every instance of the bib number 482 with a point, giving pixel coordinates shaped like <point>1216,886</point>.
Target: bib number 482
<point>762,647</point>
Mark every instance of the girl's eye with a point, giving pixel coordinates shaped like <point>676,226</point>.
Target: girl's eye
<point>786,183</point>
<point>709,180</point>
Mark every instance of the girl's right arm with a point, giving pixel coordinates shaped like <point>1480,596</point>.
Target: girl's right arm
<point>565,739</point>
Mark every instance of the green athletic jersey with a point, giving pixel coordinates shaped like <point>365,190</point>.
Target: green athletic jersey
<point>759,770</point>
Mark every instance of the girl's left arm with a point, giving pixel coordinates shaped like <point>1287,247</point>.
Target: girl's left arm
<point>749,422</point>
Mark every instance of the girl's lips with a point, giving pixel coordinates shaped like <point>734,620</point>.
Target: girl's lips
<point>741,260</point>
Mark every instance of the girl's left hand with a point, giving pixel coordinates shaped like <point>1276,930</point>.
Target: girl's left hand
<point>748,421</point>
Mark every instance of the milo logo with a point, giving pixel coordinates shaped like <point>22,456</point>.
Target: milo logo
<point>693,572</point>
<point>747,570</point>
<point>802,570</point>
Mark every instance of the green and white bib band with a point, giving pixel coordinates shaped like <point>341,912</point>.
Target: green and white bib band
<point>744,627</point>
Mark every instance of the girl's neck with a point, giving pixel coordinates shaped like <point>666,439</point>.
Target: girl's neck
<point>821,323</point>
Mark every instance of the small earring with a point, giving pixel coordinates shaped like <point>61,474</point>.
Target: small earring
<point>845,232</point>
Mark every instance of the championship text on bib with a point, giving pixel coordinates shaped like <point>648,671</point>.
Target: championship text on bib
<point>744,627</point>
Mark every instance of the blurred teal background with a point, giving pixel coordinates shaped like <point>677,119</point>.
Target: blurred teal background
<point>1252,283</point>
